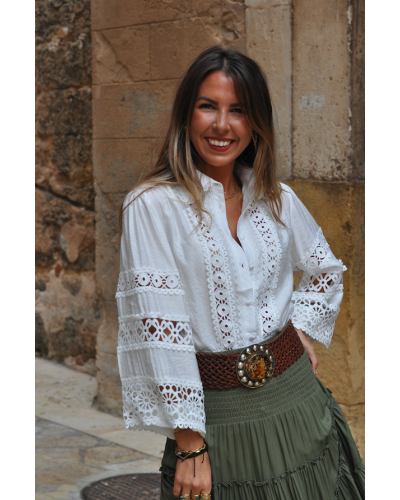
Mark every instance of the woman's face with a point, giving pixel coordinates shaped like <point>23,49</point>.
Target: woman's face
<point>219,130</point>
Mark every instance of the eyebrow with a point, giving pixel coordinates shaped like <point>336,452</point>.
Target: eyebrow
<point>216,102</point>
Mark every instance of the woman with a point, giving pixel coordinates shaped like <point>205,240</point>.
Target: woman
<point>210,242</point>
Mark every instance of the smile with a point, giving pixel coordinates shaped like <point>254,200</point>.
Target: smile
<point>221,143</point>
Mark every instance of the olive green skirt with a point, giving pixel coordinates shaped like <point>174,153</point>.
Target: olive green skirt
<point>287,440</point>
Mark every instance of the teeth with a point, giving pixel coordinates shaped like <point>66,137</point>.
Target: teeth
<point>219,143</point>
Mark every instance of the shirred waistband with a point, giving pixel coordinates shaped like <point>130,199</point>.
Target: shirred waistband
<point>239,404</point>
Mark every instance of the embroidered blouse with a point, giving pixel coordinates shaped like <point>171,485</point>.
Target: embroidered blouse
<point>185,287</point>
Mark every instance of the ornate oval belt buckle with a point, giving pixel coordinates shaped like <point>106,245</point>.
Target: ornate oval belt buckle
<point>255,366</point>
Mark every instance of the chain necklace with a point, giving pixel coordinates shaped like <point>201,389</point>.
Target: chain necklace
<point>232,195</point>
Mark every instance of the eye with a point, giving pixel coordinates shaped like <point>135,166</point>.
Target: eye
<point>206,106</point>
<point>237,110</point>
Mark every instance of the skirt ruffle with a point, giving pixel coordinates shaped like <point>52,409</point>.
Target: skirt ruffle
<point>287,440</point>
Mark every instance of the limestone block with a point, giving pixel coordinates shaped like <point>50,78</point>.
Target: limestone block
<point>107,268</point>
<point>137,110</point>
<point>358,86</point>
<point>321,90</point>
<point>269,42</point>
<point>338,208</point>
<point>107,242</point>
<point>119,163</point>
<point>225,19</point>
<point>57,112</point>
<point>70,310</point>
<point>109,397</point>
<point>355,417</point>
<point>121,55</point>
<point>175,45</point>
<point>225,15</point>
<point>107,338</point>
<point>120,13</point>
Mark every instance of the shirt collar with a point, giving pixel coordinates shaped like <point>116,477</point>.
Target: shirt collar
<point>245,175</point>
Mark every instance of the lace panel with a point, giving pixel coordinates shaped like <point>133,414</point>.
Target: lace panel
<point>141,330</point>
<point>271,258</point>
<point>149,280</point>
<point>219,282</point>
<point>319,255</point>
<point>321,283</point>
<point>168,404</point>
<point>315,316</point>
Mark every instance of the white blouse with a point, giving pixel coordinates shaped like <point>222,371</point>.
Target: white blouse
<point>185,287</point>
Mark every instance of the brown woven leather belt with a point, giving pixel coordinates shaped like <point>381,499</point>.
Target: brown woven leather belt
<point>254,365</point>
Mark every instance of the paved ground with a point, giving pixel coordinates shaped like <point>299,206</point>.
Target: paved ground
<point>76,444</point>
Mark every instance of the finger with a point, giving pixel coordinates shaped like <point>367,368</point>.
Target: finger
<point>177,489</point>
<point>314,361</point>
<point>185,495</point>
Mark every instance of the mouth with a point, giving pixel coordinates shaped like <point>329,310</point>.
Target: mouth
<point>219,144</point>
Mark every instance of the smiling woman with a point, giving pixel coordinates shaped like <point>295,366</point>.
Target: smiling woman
<point>218,123</point>
<point>213,351</point>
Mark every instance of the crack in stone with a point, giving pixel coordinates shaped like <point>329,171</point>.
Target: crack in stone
<point>118,71</point>
<point>63,198</point>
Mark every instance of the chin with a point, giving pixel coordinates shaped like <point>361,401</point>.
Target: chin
<point>218,162</point>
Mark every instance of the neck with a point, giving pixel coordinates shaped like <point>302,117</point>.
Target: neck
<point>224,175</point>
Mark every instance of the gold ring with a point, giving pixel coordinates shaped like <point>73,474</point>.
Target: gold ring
<point>205,496</point>
<point>195,496</point>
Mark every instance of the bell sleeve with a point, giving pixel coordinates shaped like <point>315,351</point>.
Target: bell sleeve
<point>161,386</point>
<point>318,296</point>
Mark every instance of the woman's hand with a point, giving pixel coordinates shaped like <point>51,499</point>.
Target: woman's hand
<point>309,348</point>
<point>186,482</point>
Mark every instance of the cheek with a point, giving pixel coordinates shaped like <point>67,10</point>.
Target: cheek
<point>245,133</point>
<point>199,122</point>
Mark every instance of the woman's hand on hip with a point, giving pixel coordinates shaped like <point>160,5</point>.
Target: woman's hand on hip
<point>193,475</point>
<point>309,348</point>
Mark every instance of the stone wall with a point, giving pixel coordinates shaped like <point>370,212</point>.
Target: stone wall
<point>312,51</point>
<point>313,54</point>
<point>140,50</point>
<point>68,302</point>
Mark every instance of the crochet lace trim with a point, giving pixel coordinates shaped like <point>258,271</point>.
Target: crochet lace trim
<point>166,331</point>
<point>219,281</point>
<point>269,266</point>
<point>169,404</point>
<point>149,280</point>
<point>314,315</point>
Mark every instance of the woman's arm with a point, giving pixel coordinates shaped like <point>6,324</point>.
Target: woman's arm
<point>192,475</point>
<point>161,385</point>
<point>319,293</point>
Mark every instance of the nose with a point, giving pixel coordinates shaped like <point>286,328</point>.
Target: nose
<point>221,123</point>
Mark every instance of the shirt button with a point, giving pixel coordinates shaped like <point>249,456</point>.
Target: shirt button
<point>248,302</point>
<point>251,337</point>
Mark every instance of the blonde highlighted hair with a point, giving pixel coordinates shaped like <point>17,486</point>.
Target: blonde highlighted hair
<point>176,163</point>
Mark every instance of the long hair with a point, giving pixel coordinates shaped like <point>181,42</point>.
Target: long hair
<point>176,163</point>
